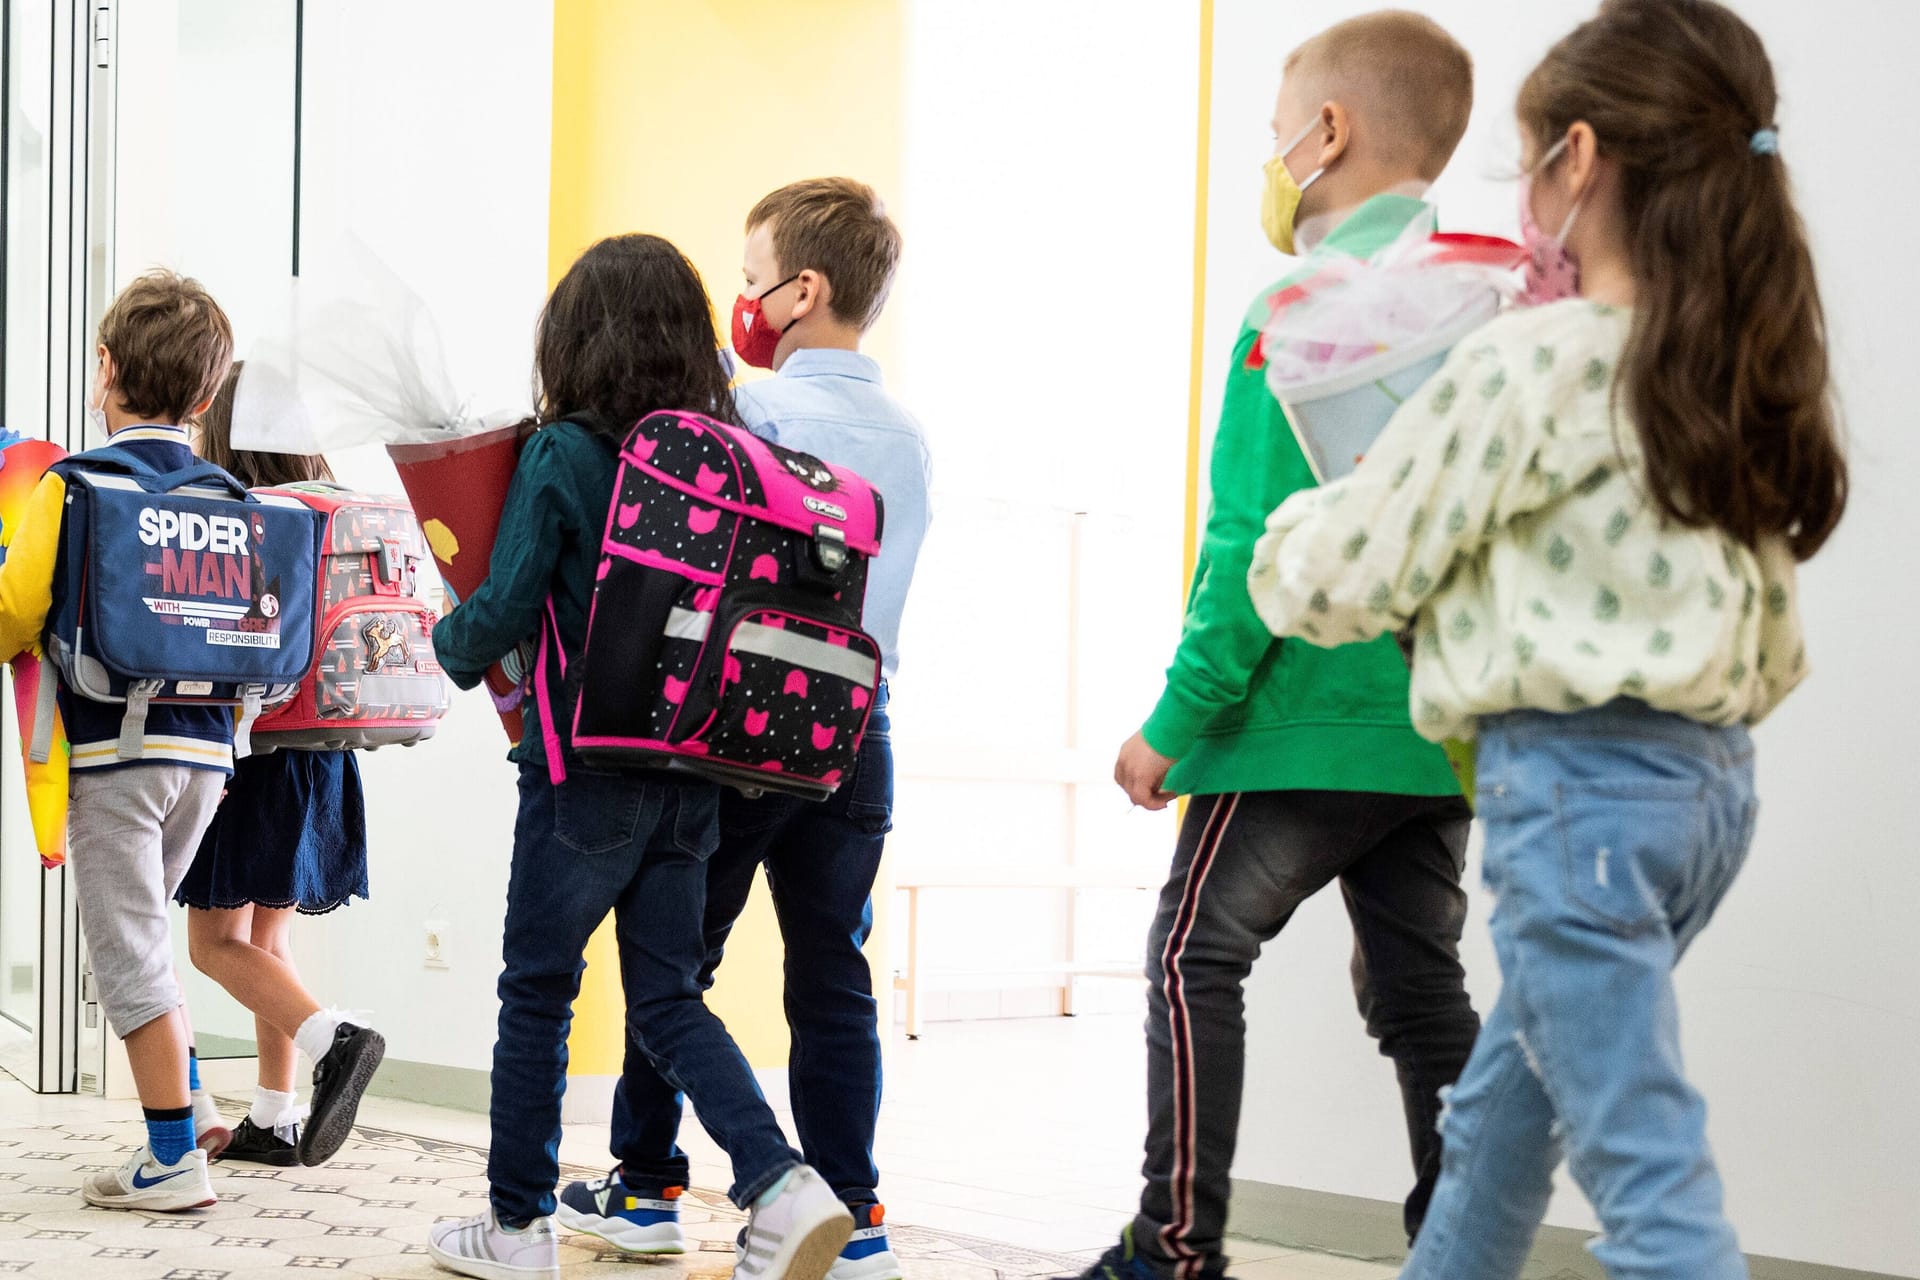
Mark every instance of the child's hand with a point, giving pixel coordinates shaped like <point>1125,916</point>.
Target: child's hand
<point>1141,771</point>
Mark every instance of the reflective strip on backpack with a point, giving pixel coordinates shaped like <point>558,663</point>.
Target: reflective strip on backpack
<point>685,624</point>
<point>803,651</point>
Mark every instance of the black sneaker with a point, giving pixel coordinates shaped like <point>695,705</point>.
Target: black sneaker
<point>338,1081</point>
<point>253,1145</point>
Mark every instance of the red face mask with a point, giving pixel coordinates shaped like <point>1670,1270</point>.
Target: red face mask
<point>754,337</point>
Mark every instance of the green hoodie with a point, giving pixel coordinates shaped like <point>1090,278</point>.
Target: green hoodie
<point>1243,711</point>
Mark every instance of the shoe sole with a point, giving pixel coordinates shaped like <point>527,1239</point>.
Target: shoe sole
<point>816,1252</point>
<point>149,1204</point>
<point>609,1230</point>
<point>214,1142</point>
<point>879,1266</point>
<point>278,1159</point>
<point>485,1268</point>
<point>331,1123</point>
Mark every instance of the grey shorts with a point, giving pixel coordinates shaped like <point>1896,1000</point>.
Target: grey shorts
<point>131,835</point>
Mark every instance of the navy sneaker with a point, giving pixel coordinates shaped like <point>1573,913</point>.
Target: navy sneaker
<point>868,1254</point>
<point>643,1221</point>
<point>1122,1263</point>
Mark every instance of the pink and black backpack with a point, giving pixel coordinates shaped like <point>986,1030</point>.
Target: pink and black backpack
<point>725,637</point>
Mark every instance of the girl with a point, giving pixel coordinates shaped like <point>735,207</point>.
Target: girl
<point>626,332</point>
<point>290,835</point>
<point>1592,516</point>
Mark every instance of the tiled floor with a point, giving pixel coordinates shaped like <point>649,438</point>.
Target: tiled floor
<point>979,1185</point>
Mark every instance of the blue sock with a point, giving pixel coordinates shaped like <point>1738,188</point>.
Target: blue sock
<point>169,1133</point>
<point>193,1068</point>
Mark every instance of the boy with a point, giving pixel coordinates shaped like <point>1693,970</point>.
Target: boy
<point>1302,763</point>
<point>134,825</point>
<point>820,256</point>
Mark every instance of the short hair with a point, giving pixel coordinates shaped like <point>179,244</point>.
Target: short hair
<point>838,227</point>
<point>171,346</point>
<point>1406,74</point>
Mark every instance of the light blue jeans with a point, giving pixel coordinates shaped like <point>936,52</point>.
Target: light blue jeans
<point>1612,837</point>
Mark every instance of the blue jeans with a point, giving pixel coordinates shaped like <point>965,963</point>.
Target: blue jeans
<point>1612,837</point>
<point>821,860</point>
<point>598,843</point>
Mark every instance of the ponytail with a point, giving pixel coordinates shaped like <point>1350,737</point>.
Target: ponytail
<point>1726,375</point>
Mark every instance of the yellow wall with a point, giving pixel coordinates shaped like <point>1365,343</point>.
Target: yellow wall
<point>674,117</point>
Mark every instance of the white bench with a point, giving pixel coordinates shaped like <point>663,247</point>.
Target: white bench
<point>1069,879</point>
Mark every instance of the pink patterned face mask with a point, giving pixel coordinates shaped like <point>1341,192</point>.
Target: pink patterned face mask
<point>1553,273</point>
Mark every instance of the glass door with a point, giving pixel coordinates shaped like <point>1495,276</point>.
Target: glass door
<point>56,153</point>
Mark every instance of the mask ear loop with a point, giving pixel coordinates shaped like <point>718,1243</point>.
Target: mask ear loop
<point>1553,153</point>
<point>1293,146</point>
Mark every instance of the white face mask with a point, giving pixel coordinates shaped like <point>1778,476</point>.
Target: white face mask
<point>97,401</point>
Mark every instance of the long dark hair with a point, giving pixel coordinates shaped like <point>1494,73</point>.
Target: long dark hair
<point>627,331</point>
<point>1726,372</point>
<point>255,470</point>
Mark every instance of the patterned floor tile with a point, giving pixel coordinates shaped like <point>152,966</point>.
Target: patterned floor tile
<point>364,1215</point>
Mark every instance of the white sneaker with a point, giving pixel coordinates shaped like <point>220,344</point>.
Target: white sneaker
<point>144,1183</point>
<point>868,1254</point>
<point>799,1235</point>
<point>481,1247</point>
<point>210,1131</point>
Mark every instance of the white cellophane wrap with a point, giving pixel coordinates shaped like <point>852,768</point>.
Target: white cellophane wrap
<point>353,360</point>
<point>1346,311</point>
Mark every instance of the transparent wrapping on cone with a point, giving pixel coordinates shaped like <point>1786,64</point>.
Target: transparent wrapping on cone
<point>1345,313</point>
<point>353,360</point>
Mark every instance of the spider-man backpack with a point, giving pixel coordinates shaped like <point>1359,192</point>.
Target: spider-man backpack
<point>374,681</point>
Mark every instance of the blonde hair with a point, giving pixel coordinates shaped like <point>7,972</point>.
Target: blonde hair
<point>1404,74</point>
<point>838,227</point>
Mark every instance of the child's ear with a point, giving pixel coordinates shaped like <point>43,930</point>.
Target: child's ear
<point>199,410</point>
<point>814,291</point>
<point>1337,123</point>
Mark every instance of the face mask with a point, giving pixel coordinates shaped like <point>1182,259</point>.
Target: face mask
<point>1553,273</point>
<point>754,337</point>
<point>1280,202</point>
<point>97,413</point>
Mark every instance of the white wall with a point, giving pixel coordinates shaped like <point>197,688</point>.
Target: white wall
<point>1800,1010</point>
<point>427,129</point>
<point>1042,330</point>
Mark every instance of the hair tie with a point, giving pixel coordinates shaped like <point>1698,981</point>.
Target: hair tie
<point>1765,142</point>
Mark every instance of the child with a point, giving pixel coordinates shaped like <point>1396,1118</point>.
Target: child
<point>290,835</point>
<point>627,331</point>
<point>133,824</point>
<point>1303,768</point>
<point>1591,516</point>
<point>820,256</point>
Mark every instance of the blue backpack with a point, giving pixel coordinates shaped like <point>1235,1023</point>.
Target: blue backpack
<point>177,587</point>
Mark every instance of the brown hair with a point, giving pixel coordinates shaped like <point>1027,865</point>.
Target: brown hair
<point>1726,374</point>
<point>627,331</point>
<point>255,470</point>
<point>171,345</point>
<point>838,227</point>
<point>1408,77</point>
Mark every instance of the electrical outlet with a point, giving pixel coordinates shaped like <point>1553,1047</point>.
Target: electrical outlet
<point>436,953</point>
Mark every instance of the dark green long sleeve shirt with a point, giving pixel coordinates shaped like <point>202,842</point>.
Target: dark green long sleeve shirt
<point>549,544</point>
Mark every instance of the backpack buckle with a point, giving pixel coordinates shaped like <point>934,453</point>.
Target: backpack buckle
<point>829,549</point>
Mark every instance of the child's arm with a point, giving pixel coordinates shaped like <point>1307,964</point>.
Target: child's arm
<point>1256,464</point>
<point>26,576</point>
<point>506,608</point>
<point>1359,557</point>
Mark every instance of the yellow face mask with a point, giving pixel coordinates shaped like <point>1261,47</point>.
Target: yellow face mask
<point>1280,200</point>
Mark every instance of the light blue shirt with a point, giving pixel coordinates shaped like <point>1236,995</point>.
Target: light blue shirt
<point>831,404</point>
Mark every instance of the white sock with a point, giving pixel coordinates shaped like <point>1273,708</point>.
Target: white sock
<point>269,1106</point>
<point>315,1037</point>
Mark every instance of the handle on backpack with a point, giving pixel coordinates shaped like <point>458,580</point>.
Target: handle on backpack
<point>205,475</point>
